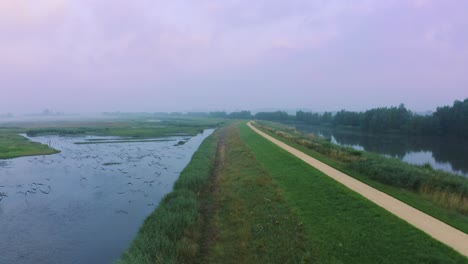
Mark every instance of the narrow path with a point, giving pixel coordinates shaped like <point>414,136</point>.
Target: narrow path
<point>208,207</point>
<point>440,231</point>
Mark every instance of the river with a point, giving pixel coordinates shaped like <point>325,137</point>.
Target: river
<point>86,203</point>
<point>447,154</point>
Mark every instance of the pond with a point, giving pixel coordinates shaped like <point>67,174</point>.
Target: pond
<point>448,154</point>
<point>86,203</point>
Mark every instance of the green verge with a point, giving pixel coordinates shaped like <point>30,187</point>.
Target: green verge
<point>247,218</point>
<point>417,200</point>
<point>344,226</point>
<point>13,146</point>
<point>171,233</point>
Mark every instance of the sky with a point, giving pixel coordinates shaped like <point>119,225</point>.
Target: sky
<point>150,55</point>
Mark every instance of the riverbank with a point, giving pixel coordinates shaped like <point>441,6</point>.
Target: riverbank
<point>446,153</point>
<point>171,233</point>
<point>260,204</point>
<point>439,194</point>
<point>444,233</point>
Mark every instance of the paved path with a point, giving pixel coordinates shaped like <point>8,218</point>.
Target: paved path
<point>446,234</point>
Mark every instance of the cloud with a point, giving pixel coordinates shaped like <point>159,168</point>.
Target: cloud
<point>135,47</point>
<point>192,36</point>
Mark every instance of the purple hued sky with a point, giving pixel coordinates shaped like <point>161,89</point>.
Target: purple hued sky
<point>148,55</point>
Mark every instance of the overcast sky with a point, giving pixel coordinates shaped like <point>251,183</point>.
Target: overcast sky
<point>149,55</point>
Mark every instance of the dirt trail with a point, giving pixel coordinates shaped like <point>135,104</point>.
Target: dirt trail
<point>444,233</point>
<point>209,207</point>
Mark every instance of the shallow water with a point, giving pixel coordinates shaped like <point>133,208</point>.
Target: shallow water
<point>71,208</point>
<point>446,154</point>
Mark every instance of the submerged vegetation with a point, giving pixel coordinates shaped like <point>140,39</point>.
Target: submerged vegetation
<point>180,143</point>
<point>111,163</point>
<point>120,141</point>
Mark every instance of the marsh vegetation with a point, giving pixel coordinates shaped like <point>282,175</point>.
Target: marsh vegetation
<point>13,145</point>
<point>67,200</point>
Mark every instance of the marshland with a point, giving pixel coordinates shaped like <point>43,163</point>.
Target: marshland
<point>233,131</point>
<point>86,201</point>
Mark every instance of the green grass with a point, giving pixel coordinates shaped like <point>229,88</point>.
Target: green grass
<point>13,145</point>
<point>249,220</point>
<point>344,226</point>
<point>418,199</point>
<point>171,233</point>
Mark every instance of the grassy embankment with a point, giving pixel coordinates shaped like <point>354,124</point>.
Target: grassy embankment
<point>246,216</point>
<point>262,205</point>
<point>171,233</point>
<point>437,193</point>
<point>13,145</point>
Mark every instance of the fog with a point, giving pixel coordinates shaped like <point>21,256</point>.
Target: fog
<point>92,56</point>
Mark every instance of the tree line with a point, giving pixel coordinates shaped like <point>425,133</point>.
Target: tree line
<point>269,116</point>
<point>445,121</point>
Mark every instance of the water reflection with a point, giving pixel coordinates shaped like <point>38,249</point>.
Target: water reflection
<point>85,204</point>
<point>447,154</point>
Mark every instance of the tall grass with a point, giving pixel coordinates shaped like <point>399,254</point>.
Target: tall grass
<point>171,233</point>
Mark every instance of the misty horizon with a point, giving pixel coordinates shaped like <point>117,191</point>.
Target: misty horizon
<point>153,56</point>
<point>290,111</point>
